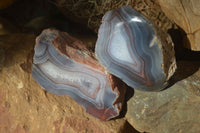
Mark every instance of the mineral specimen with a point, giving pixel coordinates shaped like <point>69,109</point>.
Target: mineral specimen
<point>131,48</point>
<point>63,65</point>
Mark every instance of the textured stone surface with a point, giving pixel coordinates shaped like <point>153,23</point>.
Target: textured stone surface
<point>173,110</point>
<point>26,107</point>
<point>186,14</point>
<point>91,12</point>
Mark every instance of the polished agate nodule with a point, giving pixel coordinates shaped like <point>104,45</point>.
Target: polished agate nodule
<point>64,66</point>
<point>131,48</point>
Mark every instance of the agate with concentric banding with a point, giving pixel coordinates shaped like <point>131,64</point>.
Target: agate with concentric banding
<point>131,48</point>
<point>63,65</point>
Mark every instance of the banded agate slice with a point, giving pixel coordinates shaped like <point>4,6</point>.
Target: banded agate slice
<point>63,65</point>
<point>131,48</point>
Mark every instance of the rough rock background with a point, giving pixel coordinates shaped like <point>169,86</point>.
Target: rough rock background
<point>26,108</point>
<point>174,110</point>
<point>186,14</point>
<point>91,12</point>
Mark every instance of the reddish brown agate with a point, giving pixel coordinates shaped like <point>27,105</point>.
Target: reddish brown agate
<point>63,65</point>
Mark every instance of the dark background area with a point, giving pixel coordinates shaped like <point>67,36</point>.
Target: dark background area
<point>32,16</point>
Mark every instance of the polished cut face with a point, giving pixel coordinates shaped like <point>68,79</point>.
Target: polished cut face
<point>129,48</point>
<point>60,67</point>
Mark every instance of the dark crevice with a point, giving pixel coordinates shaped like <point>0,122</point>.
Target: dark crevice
<point>188,61</point>
<point>128,128</point>
<point>128,95</point>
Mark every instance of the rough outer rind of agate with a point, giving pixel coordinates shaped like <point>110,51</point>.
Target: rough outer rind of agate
<point>131,48</point>
<point>63,65</point>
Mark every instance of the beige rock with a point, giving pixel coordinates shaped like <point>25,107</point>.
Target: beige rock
<point>26,107</point>
<point>174,110</point>
<point>186,14</point>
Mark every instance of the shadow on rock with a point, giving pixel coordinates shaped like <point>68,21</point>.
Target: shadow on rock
<point>128,95</point>
<point>188,62</point>
<point>129,129</point>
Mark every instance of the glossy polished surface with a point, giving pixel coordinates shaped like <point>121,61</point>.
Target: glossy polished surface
<point>129,48</point>
<point>62,66</point>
